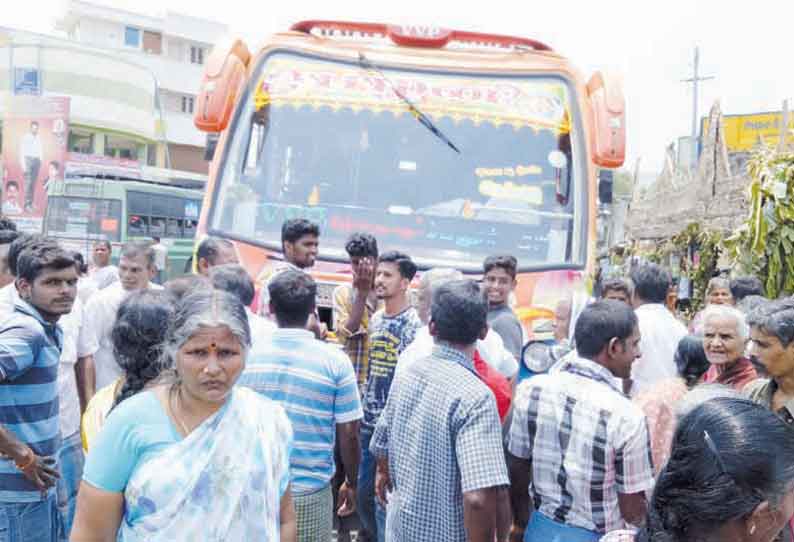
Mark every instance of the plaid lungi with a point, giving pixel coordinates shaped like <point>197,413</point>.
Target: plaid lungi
<point>314,515</point>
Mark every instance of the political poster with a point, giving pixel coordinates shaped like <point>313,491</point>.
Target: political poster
<point>35,134</point>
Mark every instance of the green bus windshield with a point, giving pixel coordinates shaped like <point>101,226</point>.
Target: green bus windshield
<point>151,214</point>
<point>84,218</point>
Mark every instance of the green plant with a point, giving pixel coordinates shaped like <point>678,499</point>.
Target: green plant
<point>764,245</point>
<point>707,243</point>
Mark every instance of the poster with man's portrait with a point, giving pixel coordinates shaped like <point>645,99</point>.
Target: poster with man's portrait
<point>35,134</point>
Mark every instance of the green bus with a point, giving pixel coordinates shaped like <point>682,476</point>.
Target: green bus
<point>82,210</point>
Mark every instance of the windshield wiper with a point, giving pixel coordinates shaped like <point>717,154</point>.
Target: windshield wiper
<point>418,115</point>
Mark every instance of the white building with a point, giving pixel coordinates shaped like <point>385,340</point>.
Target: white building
<point>132,80</point>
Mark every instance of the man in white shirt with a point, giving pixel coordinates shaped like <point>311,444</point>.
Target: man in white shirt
<point>30,157</point>
<point>213,251</point>
<point>136,270</point>
<point>103,274</point>
<point>160,259</point>
<point>491,349</point>
<point>11,199</point>
<point>85,286</point>
<point>660,330</point>
<point>234,279</point>
<point>70,456</point>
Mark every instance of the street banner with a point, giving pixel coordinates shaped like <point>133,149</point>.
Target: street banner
<point>92,165</point>
<point>35,134</point>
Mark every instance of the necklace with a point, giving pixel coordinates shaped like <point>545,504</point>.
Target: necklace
<point>174,415</point>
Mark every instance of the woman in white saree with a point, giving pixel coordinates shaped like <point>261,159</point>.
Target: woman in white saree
<point>193,458</point>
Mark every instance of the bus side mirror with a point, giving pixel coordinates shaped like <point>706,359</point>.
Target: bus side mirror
<point>605,183</point>
<point>224,76</point>
<point>609,120</point>
<point>211,145</point>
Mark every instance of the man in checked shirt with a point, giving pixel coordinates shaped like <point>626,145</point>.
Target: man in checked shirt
<point>438,441</point>
<point>581,443</point>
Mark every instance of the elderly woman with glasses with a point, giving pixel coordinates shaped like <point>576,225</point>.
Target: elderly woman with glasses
<point>192,458</point>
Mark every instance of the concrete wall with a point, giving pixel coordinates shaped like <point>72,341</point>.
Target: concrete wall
<point>102,34</point>
<point>104,27</point>
<point>173,70</point>
<point>187,158</point>
<point>180,130</point>
<point>108,91</point>
<point>105,92</point>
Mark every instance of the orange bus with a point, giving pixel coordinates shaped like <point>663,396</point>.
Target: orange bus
<point>447,145</point>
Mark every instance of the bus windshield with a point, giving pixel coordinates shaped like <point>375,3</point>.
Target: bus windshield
<point>84,218</point>
<point>448,168</point>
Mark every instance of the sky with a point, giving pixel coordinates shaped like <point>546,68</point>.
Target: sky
<point>745,46</point>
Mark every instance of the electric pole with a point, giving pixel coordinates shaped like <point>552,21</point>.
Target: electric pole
<point>695,80</point>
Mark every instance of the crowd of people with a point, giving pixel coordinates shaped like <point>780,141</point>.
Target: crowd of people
<point>218,406</point>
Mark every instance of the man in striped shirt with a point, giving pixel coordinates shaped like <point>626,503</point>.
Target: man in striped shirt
<point>316,385</point>
<point>30,347</point>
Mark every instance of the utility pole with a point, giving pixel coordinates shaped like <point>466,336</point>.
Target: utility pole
<point>784,130</point>
<point>695,80</point>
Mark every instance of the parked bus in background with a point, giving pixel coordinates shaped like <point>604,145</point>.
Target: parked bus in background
<point>447,145</point>
<point>86,209</point>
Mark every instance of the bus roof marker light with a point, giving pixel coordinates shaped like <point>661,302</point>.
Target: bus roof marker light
<point>418,36</point>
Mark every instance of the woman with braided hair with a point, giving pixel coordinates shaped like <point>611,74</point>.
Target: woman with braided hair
<point>730,478</point>
<point>137,336</point>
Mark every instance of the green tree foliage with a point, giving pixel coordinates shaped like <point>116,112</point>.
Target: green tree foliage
<point>707,243</point>
<point>764,244</point>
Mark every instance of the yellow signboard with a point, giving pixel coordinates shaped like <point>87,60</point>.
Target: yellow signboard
<point>744,132</point>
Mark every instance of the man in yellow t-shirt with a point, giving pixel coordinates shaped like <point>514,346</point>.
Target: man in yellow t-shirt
<point>355,303</point>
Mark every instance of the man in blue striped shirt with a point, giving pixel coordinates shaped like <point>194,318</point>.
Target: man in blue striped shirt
<point>30,348</point>
<point>316,384</point>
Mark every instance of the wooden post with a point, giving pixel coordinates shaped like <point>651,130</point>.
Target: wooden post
<point>781,146</point>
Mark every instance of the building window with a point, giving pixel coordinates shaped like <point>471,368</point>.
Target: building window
<point>151,154</point>
<point>196,55</point>
<point>121,147</point>
<point>132,37</point>
<point>81,141</point>
<point>176,50</point>
<point>187,104</point>
<point>152,43</point>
